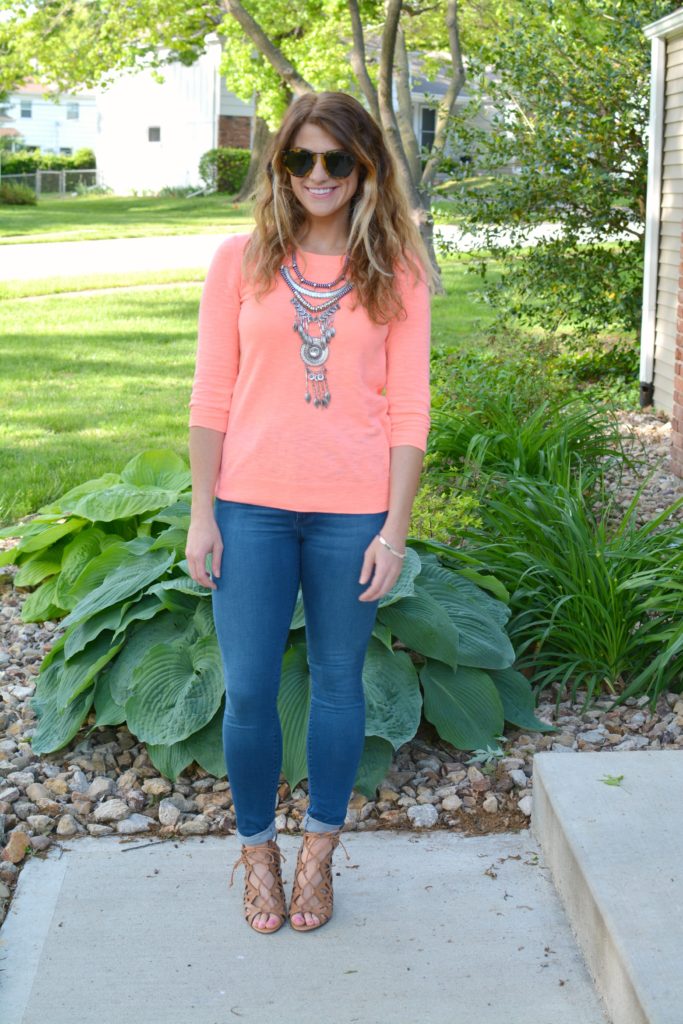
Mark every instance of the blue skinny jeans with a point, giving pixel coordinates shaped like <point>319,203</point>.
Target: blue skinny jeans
<point>267,553</point>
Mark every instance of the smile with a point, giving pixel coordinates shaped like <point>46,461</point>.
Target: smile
<point>320,191</point>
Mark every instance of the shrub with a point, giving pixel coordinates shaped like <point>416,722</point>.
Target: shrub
<point>25,162</point>
<point>593,601</point>
<point>13,194</point>
<point>140,646</point>
<point>224,169</point>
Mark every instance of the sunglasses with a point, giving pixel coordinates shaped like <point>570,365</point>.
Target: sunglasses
<point>300,162</point>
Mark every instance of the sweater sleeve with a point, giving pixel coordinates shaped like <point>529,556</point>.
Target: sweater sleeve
<point>217,360</point>
<point>408,352</point>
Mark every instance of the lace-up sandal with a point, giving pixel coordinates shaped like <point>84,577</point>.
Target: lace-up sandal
<point>263,889</point>
<point>312,887</point>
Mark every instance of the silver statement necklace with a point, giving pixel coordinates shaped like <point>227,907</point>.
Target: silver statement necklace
<point>309,317</point>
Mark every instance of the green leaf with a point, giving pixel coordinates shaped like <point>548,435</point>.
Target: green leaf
<point>57,725</point>
<point>176,514</point>
<point>108,712</point>
<point>405,584</point>
<point>67,499</point>
<point>79,635</point>
<point>157,467</point>
<point>171,759</point>
<point>422,624</point>
<point>293,707</point>
<point>44,536</point>
<point>383,634</point>
<point>518,700</point>
<point>40,605</point>
<point>174,537</point>
<point>10,556</point>
<point>374,765</point>
<point>163,628</point>
<point>81,550</point>
<point>120,502</point>
<point>34,570</point>
<point>298,619</point>
<point>183,584</point>
<point>393,703</point>
<point>483,642</point>
<point>206,745</point>
<point>145,607</point>
<point>464,705</point>
<point>124,581</point>
<point>176,690</point>
<point>115,553</point>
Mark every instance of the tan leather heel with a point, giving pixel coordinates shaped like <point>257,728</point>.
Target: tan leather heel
<point>312,890</point>
<point>263,889</point>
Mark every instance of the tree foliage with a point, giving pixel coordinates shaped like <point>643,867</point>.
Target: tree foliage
<point>569,85</point>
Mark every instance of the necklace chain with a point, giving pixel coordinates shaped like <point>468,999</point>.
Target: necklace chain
<point>315,347</point>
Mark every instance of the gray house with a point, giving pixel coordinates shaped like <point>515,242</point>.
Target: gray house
<point>661,355</point>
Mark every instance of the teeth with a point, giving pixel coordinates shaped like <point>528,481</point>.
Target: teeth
<point>320,191</point>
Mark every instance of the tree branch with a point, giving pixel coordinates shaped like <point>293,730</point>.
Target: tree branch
<point>405,107</point>
<point>358,62</point>
<point>445,108</point>
<point>265,47</point>
<point>384,91</point>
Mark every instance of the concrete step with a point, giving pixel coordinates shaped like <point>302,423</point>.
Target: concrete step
<point>428,928</point>
<point>616,855</point>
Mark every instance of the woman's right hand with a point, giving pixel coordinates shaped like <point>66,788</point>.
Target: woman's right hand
<point>203,538</point>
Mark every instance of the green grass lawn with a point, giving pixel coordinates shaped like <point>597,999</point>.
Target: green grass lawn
<point>76,219</point>
<point>90,380</point>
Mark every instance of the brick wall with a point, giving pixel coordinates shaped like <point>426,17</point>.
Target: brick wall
<point>677,414</point>
<point>234,132</point>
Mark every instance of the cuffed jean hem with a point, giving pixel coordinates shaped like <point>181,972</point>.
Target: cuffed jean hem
<point>260,837</point>
<point>310,824</point>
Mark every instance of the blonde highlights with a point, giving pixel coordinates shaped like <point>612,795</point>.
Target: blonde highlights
<point>382,233</point>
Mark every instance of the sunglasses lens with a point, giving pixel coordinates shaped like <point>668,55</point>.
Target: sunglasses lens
<point>339,163</point>
<point>298,161</point>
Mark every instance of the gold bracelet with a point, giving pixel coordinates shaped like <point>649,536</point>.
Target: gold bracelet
<point>388,545</point>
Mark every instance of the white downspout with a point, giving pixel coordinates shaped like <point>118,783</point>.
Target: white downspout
<point>652,218</point>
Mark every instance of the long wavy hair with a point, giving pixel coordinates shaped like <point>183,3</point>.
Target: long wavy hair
<point>382,234</point>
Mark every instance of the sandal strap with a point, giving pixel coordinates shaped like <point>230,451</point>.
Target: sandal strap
<point>256,901</point>
<point>309,895</point>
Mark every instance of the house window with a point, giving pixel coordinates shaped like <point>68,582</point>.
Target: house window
<point>154,134</point>
<point>72,112</point>
<point>427,127</point>
<point>65,150</point>
<point>26,108</point>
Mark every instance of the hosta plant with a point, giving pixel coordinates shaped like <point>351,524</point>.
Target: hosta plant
<point>139,644</point>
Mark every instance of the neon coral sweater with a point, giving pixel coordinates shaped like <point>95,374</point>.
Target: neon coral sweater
<point>250,383</point>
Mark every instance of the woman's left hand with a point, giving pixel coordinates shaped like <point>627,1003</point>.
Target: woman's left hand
<point>387,566</point>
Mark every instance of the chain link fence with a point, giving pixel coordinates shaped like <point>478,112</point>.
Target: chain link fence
<point>55,183</point>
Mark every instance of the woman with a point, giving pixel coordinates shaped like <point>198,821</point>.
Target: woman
<point>313,477</point>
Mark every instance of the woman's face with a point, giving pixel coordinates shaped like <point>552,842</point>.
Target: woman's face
<point>319,194</point>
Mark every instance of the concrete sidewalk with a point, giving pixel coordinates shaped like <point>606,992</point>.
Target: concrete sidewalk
<point>32,261</point>
<point>427,927</point>
<point>35,260</point>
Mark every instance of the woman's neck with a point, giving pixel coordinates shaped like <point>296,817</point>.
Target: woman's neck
<point>324,239</point>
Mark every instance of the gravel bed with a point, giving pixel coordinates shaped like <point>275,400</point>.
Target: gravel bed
<point>105,784</point>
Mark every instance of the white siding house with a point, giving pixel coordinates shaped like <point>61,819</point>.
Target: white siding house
<point>153,134</point>
<point>54,123</point>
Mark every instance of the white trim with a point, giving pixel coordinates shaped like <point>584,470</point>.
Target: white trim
<point>666,26</point>
<point>653,208</point>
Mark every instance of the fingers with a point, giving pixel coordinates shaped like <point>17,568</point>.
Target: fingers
<point>196,563</point>
<point>386,573</point>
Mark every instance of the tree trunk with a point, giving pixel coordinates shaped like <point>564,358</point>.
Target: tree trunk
<point>262,135</point>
